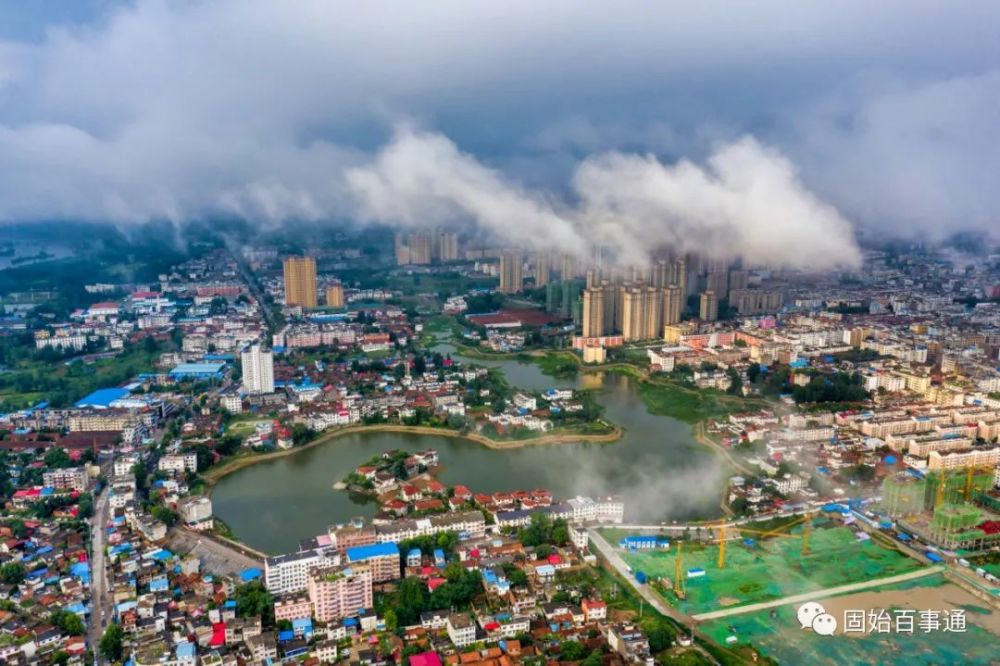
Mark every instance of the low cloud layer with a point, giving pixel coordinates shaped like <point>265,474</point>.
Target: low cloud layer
<point>746,201</point>
<point>621,122</point>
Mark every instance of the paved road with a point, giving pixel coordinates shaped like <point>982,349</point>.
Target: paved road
<point>651,597</point>
<point>818,594</point>
<point>100,601</point>
<point>215,557</point>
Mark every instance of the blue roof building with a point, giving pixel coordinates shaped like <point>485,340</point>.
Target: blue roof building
<point>206,370</point>
<point>102,398</point>
<point>361,553</point>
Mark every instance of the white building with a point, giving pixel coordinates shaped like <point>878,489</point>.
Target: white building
<point>285,574</point>
<point>258,370</point>
<point>178,462</point>
<point>69,478</point>
<point>461,630</point>
<point>196,512</point>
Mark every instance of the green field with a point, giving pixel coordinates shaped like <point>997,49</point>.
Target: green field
<point>778,635</point>
<point>666,397</point>
<point>771,569</point>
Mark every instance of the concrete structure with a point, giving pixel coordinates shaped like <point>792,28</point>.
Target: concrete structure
<point>382,558</point>
<point>511,275</point>
<point>337,592</point>
<point>289,573</point>
<point>300,281</point>
<point>258,370</point>
<point>69,478</point>
<point>335,296</point>
<point>709,307</point>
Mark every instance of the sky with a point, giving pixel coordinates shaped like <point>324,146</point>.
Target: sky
<point>776,130</point>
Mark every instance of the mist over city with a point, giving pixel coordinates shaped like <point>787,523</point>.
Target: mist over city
<point>499,333</point>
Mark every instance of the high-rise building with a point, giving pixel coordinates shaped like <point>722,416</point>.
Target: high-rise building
<point>568,269</point>
<point>652,313</point>
<point>542,264</point>
<point>631,313</point>
<point>593,312</point>
<point>511,277</point>
<point>677,273</point>
<point>258,370</point>
<point>420,247</point>
<point>709,310</point>
<point>673,304</point>
<point>300,281</point>
<point>338,592</point>
<point>756,301</point>
<point>718,283</point>
<point>402,250</point>
<point>335,296</point>
<point>738,280</point>
<point>447,246</point>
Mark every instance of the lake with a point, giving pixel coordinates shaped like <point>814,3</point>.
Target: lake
<point>657,467</point>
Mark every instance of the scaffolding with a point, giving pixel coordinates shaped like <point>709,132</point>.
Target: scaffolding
<point>954,525</point>
<point>903,494</point>
<point>960,485</point>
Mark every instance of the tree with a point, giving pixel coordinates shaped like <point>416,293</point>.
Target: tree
<point>68,622</point>
<point>12,573</point>
<point>253,599</point>
<point>57,457</point>
<point>165,515</point>
<point>111,642</point>
<point>735,382</point>
<point>571,651</point>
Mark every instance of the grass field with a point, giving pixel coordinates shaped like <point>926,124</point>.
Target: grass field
<point>777,633</point>
<point>771,569</point>
<point>669,398</point>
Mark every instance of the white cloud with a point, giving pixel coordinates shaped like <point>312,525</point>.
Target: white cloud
<point>747,202</point>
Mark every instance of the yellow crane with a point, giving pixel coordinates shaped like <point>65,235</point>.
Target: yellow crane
<point>678,566</point>
<point>806,531</point>
<point>722,545</point>
<point>763,534</point>
<point>942,482</point>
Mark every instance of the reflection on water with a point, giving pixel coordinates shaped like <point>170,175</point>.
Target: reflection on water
<point>656,465</point>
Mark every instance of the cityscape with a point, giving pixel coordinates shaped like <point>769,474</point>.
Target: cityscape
<point>445,353</point>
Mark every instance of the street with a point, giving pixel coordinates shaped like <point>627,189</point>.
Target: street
<point>100,601</point>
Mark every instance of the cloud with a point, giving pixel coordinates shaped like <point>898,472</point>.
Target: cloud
<point>909,158</point>
<point>422,179</point>
<point>746,202</point>
<point>187,109</point>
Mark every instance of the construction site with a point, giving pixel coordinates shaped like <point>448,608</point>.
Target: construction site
<point>954,509</point>
<point>736,566</point>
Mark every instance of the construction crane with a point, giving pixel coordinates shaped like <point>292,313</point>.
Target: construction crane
<point>806,531</point>
<point>722,545</point>
<point>942,482</point>
<point>763,534</point>
<point>970,471</point>
<point>678,565</point>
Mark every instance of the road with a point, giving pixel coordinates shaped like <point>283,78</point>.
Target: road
<point>701,436</point>
<point>819,594</point>
<point>254,288</point>
<point>100,601</point>
<point>652,598</point>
